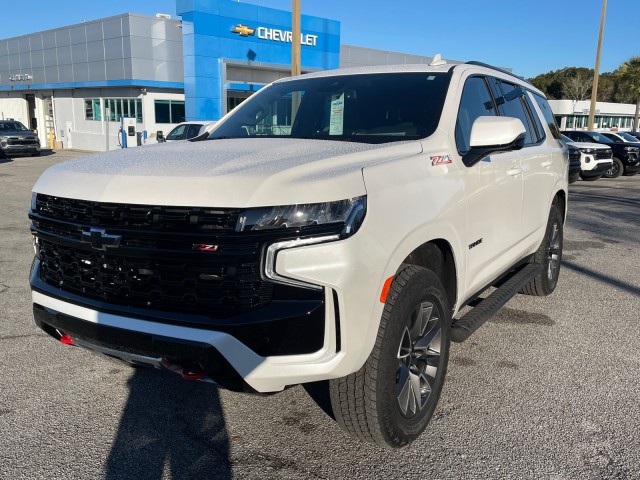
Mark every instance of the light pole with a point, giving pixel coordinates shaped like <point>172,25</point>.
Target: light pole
<point>596,73</point>
<point>295,38</point>
<point>295,54</point>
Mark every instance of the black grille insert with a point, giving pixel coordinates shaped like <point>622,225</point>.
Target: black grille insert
<point>96,214</point>
<point>155,265</point>
<point>604,154</point>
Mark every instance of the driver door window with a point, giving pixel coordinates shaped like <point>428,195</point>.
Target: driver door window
<point>476,102</point>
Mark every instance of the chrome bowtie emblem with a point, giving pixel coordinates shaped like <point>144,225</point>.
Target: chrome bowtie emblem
<point>99,239</point>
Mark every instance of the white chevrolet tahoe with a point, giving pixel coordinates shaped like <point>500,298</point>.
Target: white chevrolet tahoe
<point>331,228</point>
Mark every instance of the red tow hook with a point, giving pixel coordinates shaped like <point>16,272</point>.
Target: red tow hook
<point>192,375</point>
<point>66,339</point>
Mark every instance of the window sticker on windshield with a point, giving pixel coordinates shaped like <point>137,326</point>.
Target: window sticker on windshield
<point>336,121</point>
<point>440,160</point>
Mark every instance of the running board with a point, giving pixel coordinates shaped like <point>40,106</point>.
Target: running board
<point>463,327</point>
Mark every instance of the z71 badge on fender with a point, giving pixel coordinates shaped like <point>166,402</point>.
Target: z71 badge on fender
<point>440,160</point>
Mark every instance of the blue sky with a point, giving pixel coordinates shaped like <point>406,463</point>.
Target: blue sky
<point>531,37</point>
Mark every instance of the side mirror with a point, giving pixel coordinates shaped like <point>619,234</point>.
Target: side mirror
<point>491,135</point>
<point>160,136</point>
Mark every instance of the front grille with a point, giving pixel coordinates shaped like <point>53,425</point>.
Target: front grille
<point>154,265</point>
<point>175,284</point>
<point>22,141</point>
<point>149,217</point>
<point>604,154</point>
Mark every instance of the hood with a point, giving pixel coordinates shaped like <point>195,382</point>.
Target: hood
<point>222,173</point>
<point>599,146</point>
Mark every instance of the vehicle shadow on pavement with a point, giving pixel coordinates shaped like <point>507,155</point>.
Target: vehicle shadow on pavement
<point>170,428</point>
<point>600,277</point>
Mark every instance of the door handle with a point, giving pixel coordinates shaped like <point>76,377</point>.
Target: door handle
<point>514,171</point>
<point>547,163</point>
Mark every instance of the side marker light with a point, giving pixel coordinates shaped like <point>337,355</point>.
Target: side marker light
<point>385,290</point>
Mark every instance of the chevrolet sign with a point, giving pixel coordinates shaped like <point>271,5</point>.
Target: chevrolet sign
<point>275,35</point>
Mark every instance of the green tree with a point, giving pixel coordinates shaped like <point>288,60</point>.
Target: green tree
<point>606,87</point>
<point>628,88</point>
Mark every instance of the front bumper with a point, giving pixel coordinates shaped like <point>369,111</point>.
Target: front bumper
<point>264,350</point>
<point>13,149</point>
<point>632,167</point>
<point>597,169</point>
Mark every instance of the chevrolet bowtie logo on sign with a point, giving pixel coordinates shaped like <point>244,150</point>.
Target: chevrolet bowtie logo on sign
<point>243,30</point>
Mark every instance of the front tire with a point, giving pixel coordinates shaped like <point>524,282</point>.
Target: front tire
<point>616,169</point>
<point>549,255</point>
<point>391,399</point>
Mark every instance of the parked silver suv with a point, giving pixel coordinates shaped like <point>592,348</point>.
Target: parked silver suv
<point>16,139</point>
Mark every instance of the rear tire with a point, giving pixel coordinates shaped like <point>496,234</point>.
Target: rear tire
<point>616,170</point>
<point>391,399</point>
<point>549,255</point>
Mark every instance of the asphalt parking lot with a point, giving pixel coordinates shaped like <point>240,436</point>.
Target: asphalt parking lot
<point>549,388</point>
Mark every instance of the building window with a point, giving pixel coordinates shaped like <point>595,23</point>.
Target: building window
<point>118,108</point>
<point>92,110</point>
<point>169,111</point>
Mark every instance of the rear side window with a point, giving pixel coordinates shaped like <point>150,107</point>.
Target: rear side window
<point>193,130</point>
<point>511,105</point>
<point>476,102</point>
<point>548,115</point>
<point>536,119</point>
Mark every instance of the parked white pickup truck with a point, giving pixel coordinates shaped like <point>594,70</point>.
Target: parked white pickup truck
<point>332,227</point>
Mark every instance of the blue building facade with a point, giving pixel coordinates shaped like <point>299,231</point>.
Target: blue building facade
<point>232,49</point>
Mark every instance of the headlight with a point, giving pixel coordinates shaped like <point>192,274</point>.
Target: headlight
<point>630,149</point>
<point>344,214</point>
<point>587,150</point>
<point>34,197</point>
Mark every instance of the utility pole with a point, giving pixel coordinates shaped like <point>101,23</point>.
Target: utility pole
<point>295,38</point>
<point>596,73</point>
<point>296,35</point>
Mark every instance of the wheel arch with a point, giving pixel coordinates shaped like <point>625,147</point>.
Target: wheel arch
<point>437,256</point>
<point>560,199</point>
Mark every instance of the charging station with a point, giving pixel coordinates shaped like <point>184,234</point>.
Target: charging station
<point>128,136</point>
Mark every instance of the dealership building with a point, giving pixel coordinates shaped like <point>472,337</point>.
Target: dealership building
<point>73,84</point>
<point>574,115</point>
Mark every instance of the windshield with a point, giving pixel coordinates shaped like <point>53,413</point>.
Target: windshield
<point>627,137</point>
<point>13,126</point>
<point>371,108</point>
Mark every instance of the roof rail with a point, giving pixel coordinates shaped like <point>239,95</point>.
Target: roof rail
<point>501,70</point>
